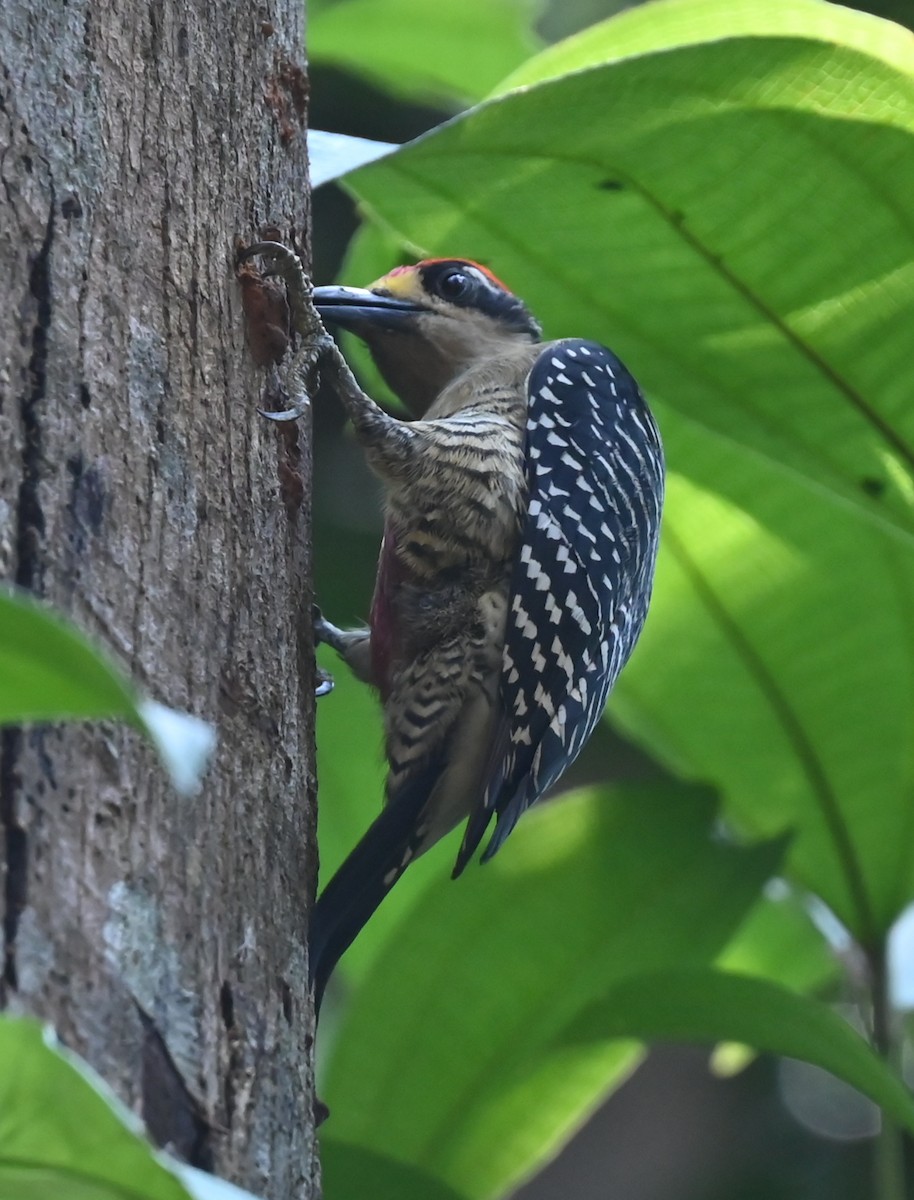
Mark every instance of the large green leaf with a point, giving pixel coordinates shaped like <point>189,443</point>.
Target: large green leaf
<point>779,941</point>
<point>350,1171</point>
<point>703,1005</point>
<point>48,672</point>
<point>65,1136</point>
<point>778,662</point>
<point>447,1058</point>
<point>739,230</point>
<point>62,1135</point>
<point>452,50</point>
<point>732,216</point>
<point>668,24</point>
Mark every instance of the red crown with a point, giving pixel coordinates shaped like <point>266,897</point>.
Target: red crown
<point>428,262</point>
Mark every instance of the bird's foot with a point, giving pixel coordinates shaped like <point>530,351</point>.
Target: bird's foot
<point>323,632</point>
<point>326,633</point>
<point>352,645</point>
<point>304,320</point>
<point>285,264</point>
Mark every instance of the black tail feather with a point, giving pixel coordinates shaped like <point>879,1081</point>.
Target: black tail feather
<point>361,883</point>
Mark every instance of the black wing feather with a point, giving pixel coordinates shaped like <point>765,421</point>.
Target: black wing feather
<point>582,582</point>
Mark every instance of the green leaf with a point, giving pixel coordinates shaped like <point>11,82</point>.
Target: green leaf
<point>731,216</point>
<point>778,663</point>
<point>447,1058</point>
<point>48,672</point>
<point>669,24</point>
<point>705,1005</point>
<point>455,50</point>
<point>63,1134</point>
<point>350,1171</point>
<point>779,941</point>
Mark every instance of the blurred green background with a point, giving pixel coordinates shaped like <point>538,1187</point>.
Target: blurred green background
<point>777,666</point>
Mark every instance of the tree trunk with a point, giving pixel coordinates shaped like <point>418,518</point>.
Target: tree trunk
<point>143,497</point>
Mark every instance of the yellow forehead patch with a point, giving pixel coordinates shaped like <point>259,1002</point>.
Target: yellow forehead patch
<point>402,282</point>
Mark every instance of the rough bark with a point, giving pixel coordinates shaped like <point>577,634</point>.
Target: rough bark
<point>142,496</point>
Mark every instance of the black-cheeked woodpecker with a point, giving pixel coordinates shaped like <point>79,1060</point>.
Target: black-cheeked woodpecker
<point>521,524</point>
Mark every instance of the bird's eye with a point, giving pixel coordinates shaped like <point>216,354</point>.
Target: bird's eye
<point>453,285</point>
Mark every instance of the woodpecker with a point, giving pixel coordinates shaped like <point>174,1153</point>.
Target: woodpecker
<point>522,515</point>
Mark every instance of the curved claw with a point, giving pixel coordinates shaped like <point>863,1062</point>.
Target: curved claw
<point>290,414</point>
<point>267,249</point>
<point>326,684</point>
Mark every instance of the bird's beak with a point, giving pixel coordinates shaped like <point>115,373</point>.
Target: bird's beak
<point>359,308</point>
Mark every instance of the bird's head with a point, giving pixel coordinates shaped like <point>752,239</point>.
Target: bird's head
<point>426,324</point>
